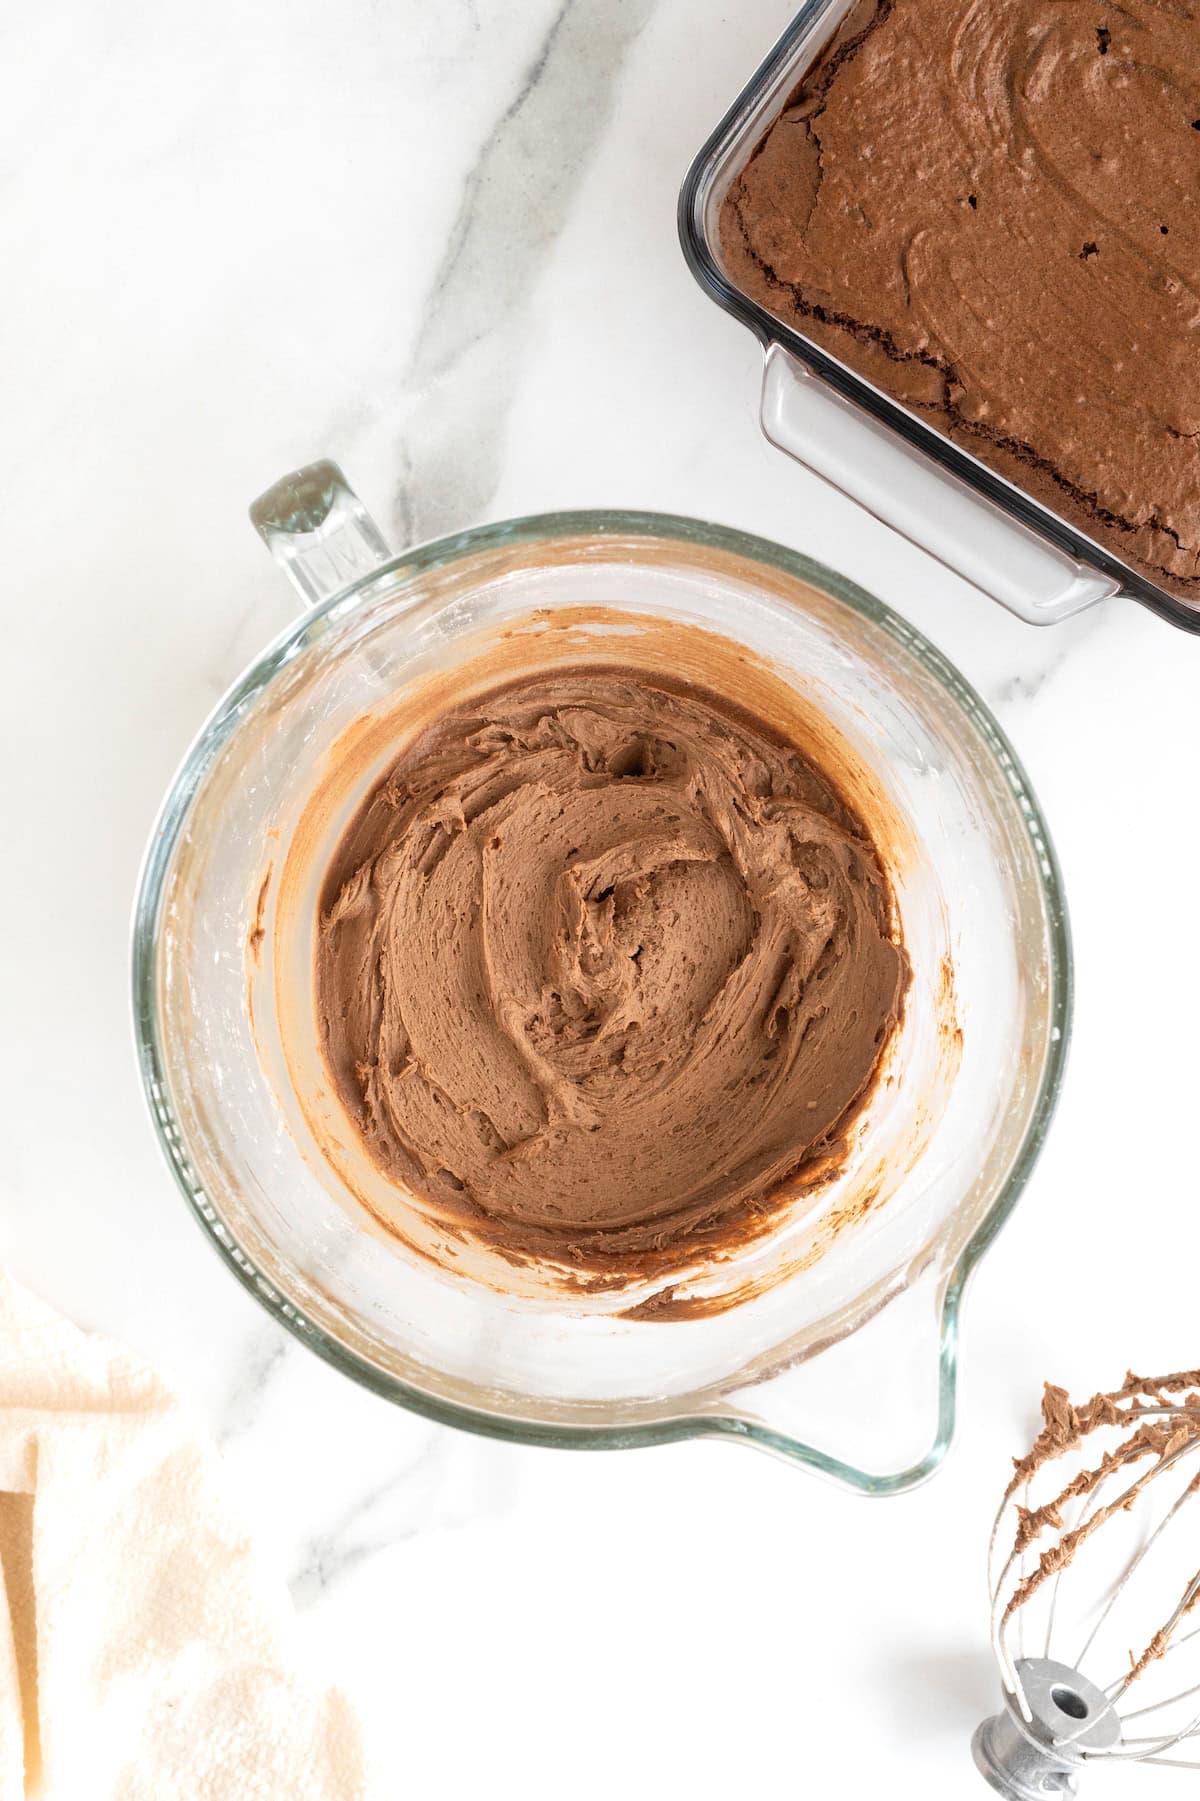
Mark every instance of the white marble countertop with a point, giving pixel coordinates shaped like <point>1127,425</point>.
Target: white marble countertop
<point>438,243</point>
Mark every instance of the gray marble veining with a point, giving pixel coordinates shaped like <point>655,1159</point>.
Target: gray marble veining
<point>1046,653</point>
<point>242,238</point>
<point>516,198</point>
<point>261,1363</point>
<point>447,1480</point>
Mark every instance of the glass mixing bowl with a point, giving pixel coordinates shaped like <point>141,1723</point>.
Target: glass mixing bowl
<point>832,1340</point>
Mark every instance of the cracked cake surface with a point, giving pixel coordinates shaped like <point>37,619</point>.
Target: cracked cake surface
<point>988,209</point>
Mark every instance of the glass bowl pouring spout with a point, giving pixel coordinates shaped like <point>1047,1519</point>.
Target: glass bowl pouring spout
<point>848,1364</point>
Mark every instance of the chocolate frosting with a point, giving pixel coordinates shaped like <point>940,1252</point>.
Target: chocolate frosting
<point>603,967</point>
<point>988,208</point>
<point>1161,1422</point>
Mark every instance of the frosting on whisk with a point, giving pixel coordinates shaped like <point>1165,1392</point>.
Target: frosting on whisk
<point>1159,1433</point>
<point>1125,1459</point>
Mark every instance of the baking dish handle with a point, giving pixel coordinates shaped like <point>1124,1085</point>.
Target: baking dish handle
<point>931,507</point>
<point>318,531</point>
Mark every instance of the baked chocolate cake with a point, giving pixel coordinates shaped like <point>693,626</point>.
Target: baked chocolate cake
<point>989,209</point>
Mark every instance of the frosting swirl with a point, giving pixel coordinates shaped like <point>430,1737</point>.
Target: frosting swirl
<point>603,965</point>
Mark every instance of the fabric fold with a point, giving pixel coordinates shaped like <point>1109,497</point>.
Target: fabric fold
<point>143,1656</point>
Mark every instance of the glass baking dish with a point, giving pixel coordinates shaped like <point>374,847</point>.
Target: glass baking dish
<point>868,445</point>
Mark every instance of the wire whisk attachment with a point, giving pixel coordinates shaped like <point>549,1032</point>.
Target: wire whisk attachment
<point>1094,1580</point>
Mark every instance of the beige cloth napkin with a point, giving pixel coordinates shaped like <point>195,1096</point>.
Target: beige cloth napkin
<point>142,1655</point>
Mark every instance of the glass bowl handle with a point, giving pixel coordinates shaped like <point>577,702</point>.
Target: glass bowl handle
<point>318,531</point>
<point>931,507</point>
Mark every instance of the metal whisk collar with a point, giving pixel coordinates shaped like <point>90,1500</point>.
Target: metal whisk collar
<point>1105,1531</point>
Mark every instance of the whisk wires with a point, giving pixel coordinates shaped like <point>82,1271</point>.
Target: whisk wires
<point>1156,1424</point>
